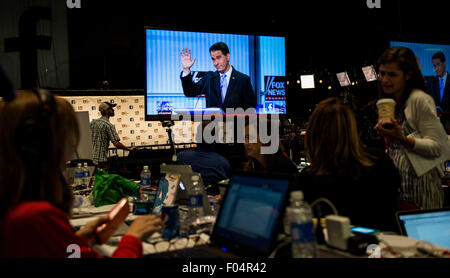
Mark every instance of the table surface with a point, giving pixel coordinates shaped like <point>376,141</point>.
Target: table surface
<point>390,246</point>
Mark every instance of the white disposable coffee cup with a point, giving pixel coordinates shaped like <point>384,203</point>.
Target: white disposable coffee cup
<point>386,109</point>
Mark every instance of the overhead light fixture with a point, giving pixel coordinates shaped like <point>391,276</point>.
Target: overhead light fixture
<point>307,81</point>
<point>369,73</point>
<point>343,78</point>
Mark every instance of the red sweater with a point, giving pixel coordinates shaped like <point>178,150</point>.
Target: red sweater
<point>38,229</point>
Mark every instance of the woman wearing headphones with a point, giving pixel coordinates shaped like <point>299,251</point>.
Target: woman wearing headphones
<point>39,134</point>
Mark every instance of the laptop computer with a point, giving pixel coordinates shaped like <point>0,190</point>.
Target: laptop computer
<point>431,225</point>
<point>175,168</point>
<point>249,220</point>
<point>173,186</point>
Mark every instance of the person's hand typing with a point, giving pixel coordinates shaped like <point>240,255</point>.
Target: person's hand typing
<point>145,225</point>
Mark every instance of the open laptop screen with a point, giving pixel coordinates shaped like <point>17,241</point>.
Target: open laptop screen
<point>431,226</point>
<point>251,211</point>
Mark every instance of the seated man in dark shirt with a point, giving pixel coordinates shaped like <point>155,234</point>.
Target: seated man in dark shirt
<point>204,160</point>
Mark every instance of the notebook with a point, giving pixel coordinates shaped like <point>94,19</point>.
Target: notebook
<point>426,225</point>
<point>249,220</point>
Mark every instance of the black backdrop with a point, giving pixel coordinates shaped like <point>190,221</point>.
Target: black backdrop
<point>106,38</point>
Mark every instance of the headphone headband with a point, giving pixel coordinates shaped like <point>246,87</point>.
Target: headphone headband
<point>33,137</point>
<point>46,101</point>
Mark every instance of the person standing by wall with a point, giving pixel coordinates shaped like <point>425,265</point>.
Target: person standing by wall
<point>103,132</point>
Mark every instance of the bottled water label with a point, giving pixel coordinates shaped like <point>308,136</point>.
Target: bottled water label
<point>302,232</point>
<point>78,174</point>
<point>77,201</point>
<point>195,200</point>
<point>145,181</point>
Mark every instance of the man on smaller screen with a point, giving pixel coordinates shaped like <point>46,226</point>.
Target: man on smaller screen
<point>102,132</point>
<point>438,85</point>
<point>224,88</point>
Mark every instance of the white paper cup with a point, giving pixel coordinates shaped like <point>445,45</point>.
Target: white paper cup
<point>386,109</point>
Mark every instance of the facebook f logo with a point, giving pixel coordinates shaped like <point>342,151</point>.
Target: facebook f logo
<point>374,4</point>
<point>73,4</point>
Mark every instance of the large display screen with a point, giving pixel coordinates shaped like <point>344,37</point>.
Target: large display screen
<point>434,70</point>
<point>261,61</point>
<point>424,53</point>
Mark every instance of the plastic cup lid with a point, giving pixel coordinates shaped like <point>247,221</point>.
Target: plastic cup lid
<point>386,100</point>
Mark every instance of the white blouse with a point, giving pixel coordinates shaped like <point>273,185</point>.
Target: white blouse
<point>432,144</point>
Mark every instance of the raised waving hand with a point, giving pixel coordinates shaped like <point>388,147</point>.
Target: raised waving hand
<point>186,60</point>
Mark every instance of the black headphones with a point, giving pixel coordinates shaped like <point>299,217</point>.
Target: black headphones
<point>33,137</point>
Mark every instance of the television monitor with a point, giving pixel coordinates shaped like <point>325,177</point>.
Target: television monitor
<point>261,57</point>
<point>307,81</point>
<point>343,78</point>
<point>424,53</point>
<point>369,73</point>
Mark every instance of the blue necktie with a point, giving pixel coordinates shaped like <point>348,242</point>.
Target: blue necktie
<point>223,86</point>
<point>441,86</point>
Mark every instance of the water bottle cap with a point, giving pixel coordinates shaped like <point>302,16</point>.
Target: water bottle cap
<point>194,178</point>
<point>297,194</point>
<point>145,167</point>
<point>85,164</point>
<point>78,164</point>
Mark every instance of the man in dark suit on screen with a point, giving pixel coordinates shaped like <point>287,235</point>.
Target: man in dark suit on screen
<point>224,88</point>
<point>439,85</point>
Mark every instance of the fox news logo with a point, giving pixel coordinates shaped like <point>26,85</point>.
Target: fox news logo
<point>275,86</point>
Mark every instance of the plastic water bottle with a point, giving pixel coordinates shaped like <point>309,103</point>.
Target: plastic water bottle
<point>300,217</point>
<point>86,174</point>
<point>146,176</point>
<point>195,199</point>
<point>78,176</point>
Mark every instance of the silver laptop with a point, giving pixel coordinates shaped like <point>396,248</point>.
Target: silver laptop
<point>426,225</point>
<point>182,187</point>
